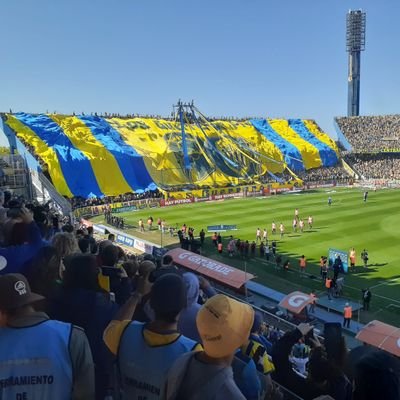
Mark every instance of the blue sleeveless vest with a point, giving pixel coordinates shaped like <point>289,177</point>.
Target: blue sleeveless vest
<point>35,362</point>
<point>143,368</point>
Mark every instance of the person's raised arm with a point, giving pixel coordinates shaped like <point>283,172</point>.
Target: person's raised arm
<point>128,309</point>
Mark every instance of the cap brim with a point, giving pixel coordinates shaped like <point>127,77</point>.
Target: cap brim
<point>33,298</point>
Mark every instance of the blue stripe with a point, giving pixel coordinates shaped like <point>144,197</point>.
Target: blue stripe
<point>129,161</point>
<point>75,166</point>
<point>290,152</point>
<point>328,155</point>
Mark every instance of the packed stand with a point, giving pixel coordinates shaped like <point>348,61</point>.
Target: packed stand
<point>80,319</point>
<point>77,202</point>
<point>371,133</point>
<point>375,166</point>
<point>331,174</point>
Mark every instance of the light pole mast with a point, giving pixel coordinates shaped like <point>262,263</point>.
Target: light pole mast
<point>355,44</point>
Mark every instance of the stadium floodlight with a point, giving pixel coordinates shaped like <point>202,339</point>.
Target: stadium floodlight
<point>355,43</point>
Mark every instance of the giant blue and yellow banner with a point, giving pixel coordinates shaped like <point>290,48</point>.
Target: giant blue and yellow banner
<point>95,156</point>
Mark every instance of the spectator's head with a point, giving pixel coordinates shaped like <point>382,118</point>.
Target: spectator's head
<point>121,254</point>
<point>167,261</point>
<point>65,244</point>
<point>45,270</point>
<point>102,245</point>
<point>81,272</point>
<point>224,325</point>
<point>109,256</point>
<point>111,237</point>
<point>90,230</point>
<point>79,233</point>
<point>68,228</point>
<point>168,297</point>
<point>377,376</point>
<point>131,268</point>
<point>18,234</point>
<point>146,267</point>
<point>257,323</point>
<point>84,245</point>
<point>15,296</point>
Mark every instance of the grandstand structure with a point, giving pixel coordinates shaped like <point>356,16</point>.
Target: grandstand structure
<point>372,146</point>
<point>94,156</point>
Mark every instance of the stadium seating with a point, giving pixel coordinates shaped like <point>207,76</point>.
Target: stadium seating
<point>373,146</point>
<point>368,134</point>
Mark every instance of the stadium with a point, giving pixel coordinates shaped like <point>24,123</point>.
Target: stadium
<point>271,214</point>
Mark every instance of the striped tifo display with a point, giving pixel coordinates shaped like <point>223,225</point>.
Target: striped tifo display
<point>95,156</point>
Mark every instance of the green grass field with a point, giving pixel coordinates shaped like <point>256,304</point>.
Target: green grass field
<point>349,222</point>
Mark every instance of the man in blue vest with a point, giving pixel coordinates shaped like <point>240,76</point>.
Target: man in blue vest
<point>40,358</point>
<point>145,352</point>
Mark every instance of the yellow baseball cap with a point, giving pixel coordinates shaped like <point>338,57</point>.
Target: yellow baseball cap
<point>224,325</point>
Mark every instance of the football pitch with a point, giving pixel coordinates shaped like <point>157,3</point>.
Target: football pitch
<point>347,223</point>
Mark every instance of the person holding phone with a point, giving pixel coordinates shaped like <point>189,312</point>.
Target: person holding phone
<point>284,373</point>
<point>326,365</point>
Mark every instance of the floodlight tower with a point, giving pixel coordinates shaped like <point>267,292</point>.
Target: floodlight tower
<point>355,44</point>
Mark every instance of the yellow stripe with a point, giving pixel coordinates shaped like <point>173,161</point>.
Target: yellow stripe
<point>106,170</point>
<point>255,141</point>
<point>309,153</point>
<point>322,136</point>
<point>47,154</point>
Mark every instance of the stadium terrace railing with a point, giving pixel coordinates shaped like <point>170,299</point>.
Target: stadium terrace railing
<point>50,193</point>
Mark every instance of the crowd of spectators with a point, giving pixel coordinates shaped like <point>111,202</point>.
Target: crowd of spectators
<point>371,133</point>
<point>324,174</point>
<point>82,319</point>
<point>375,166</point>
<point>77,202</point>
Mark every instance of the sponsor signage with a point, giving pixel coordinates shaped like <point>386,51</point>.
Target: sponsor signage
<point>221,228</point>
<point>125,240</point>
<point>123,209</point>
<point>333,254</point>
<point>222,273</point>
<point>224,196</point>
<point>295,302</point>
<point>176,201</point>
<point>199,199</point>
<point>143,246</point>
<point>99,229</point>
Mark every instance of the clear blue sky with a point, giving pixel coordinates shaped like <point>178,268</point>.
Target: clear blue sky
<point>233,57</point>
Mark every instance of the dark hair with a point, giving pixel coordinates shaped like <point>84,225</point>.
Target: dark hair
<point>84,245</point>
<point>81,272</point>
<point>90,230</point>
<point>167,259</point>
<point>121,253</point>
<point>377,376</point>
<point>131,267</point>
<point>68,228</point>
<point>111,236</point>
<point>18,234</point>
<point>44,270</point>
<point>109,255</point>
